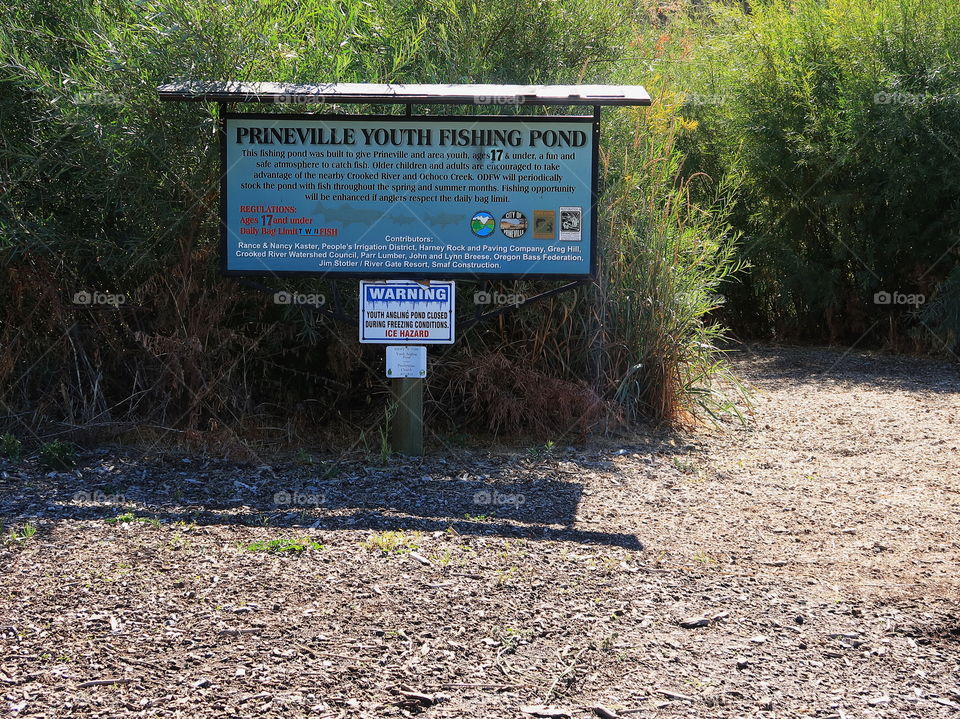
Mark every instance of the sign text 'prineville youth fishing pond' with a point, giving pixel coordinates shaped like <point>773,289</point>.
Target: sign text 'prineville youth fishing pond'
<point>412,197</point>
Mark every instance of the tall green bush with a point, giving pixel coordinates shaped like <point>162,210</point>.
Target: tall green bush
<point>107,189</point>
<point>841,121</point>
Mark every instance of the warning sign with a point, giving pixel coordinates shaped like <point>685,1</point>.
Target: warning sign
<point>399,311</point>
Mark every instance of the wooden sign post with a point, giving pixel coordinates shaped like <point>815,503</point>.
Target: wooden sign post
<point>407,366</point>
<point>407,429</point>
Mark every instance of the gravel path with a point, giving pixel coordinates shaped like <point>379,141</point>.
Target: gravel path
<point>803,566</point>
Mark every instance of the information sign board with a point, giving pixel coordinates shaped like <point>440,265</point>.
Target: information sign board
<point>411,197</point>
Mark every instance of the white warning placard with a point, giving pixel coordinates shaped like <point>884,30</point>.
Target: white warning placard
<point>406,361</point>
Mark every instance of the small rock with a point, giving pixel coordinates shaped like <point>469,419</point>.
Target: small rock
<point>418,698</point>
<point>694,622</point>
<point>765,704</point>
<point>675,696</point>
<point>742,663</point>
<point>604,713</point>
<point>877,701</point>
<point>201,683</point>
<point>539,710</point>
<point>759,639</point>
<point>945,702</point>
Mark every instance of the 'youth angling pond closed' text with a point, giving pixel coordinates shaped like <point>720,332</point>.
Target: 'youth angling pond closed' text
<point>415,197</point>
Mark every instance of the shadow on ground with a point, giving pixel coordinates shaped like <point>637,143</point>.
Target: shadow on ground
<point>531,500</point>
<point>847,367</point>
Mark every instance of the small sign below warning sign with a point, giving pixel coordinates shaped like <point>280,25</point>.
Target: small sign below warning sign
<point>407,361</point>
<point>404,311</point>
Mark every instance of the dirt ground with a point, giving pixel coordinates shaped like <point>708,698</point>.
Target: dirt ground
<point>802,566</point>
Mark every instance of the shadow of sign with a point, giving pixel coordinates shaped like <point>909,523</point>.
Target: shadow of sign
<point>536,509</point>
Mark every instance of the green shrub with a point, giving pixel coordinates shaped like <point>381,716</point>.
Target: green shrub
<point>941,316</point>
<point>132,518</point>
<point>10,447</point>
<point>839,119</point>
<point>27,532</point>
<point>58,455</point>
<point>392,542</point>
<point>107,189</point>
<point>667,260</point>
<point>284,545</point>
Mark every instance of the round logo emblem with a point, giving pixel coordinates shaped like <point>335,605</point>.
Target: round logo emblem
<point>513,224</point>
<point>482,224</point>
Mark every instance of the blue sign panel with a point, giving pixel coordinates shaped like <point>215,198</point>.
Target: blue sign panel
<point>410,197</point>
